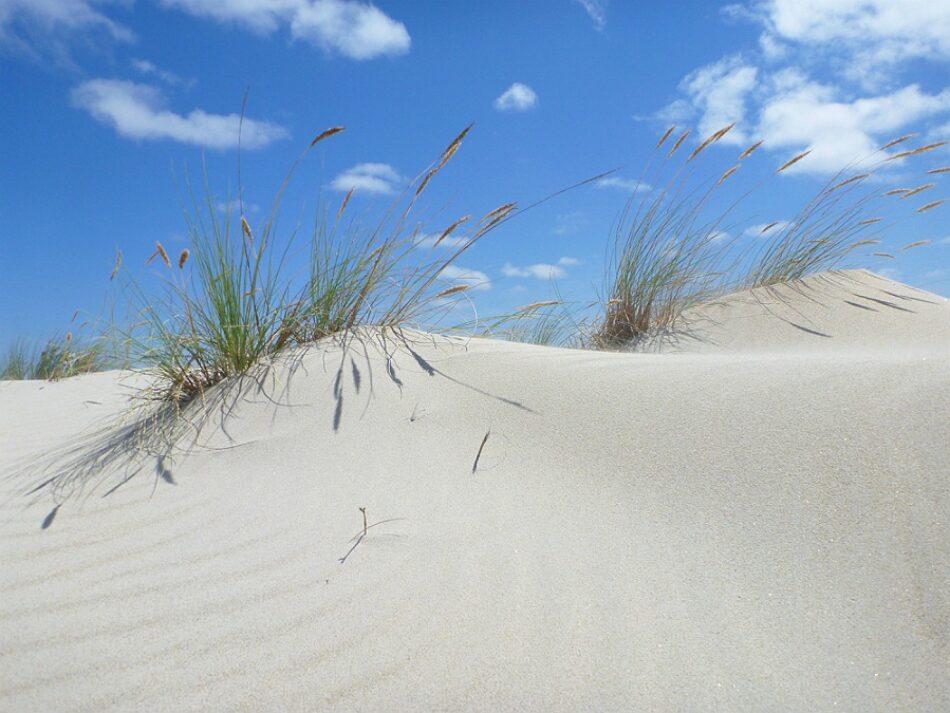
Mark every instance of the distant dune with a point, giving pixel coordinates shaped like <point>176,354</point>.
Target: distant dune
<point>757,521</point>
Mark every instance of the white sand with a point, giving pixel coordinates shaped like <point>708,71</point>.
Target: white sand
<point>763,527</point>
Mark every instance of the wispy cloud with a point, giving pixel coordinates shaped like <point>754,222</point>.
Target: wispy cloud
<point>542,271</point>
<point>380,178</point>
<point>234,207</point>
<point>357,30</point>
<point>465,276</point>
<point>518,97</point>
<point>450,242</point>
<point>137,111</point>
<point>568,223</point>
<point>596,10</point>
<point>143,66</point>
<point>719,92</point>
<point>624,184</point>
<point>765,230</point>
<point>48,27</point>
<point>569,262</point>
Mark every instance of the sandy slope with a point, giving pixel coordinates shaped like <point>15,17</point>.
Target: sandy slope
<point>755,529</point>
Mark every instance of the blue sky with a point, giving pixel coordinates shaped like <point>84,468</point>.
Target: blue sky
<point>109,106</point>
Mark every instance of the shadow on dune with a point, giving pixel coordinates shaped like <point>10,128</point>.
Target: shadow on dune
<point>789,303</point>
<point>149,436</point>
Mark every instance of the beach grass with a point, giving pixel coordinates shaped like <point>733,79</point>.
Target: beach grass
<point>230,302</point>
<point>677,242</point>
<point>58,358</point>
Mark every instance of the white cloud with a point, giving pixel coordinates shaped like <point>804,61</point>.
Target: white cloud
<point>720,91</point>
<point>759,229</point>
<point>625,184</point>
<point>542,271</point>
<point>876,34</point>
<point>567,223</point>
<point>464,276</point>
<point>378,178</point>
<point>719,236</point>
<point>596,10</point>
<point>568,262</point>
<point>357,30</point>
<point>143,66</point>
<point>234,207</point>
<point>138,111</point>
<point>518,97</point>
<point>452,242</point>
<point>37,27</point>
<point>810,115</point>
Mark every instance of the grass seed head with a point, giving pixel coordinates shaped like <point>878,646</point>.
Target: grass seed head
<point>898,140</point>
<point>246,227</point>
<point>160,249</point>
<point>665,136</point>
<point>327,134</point>
<point>679,142</point>
<point>931,206</point>
<point>751,150</point>
<point>728,173</point>
<point>919,189</point>
<point>793,160</point>
<point>118,264</point>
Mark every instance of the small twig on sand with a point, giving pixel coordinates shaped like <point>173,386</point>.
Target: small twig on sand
<point>480,448</point>
<point>363,510</point>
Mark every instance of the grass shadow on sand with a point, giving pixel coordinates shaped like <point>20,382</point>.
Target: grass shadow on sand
<point>151,436</point>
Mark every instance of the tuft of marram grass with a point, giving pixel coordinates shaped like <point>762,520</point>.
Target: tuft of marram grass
<point>237,307</point>
<point>672,253</point>
<point>59,358</point>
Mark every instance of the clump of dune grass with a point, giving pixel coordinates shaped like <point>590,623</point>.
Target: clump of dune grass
<point>666,250</point>
<point>229,302</point>
<point>59,358</point>
<point>842,218</point>
<point>672,248</point>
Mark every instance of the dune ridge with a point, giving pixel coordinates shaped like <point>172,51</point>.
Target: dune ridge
<point>760,521</point>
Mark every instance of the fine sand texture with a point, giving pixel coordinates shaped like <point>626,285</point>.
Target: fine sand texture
<point>758,521</point>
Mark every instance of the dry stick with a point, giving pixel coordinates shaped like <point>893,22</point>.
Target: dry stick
<point>480,448</point>
<point>343,559</point>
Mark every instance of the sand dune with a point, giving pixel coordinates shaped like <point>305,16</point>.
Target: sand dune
<point>758,522</point>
